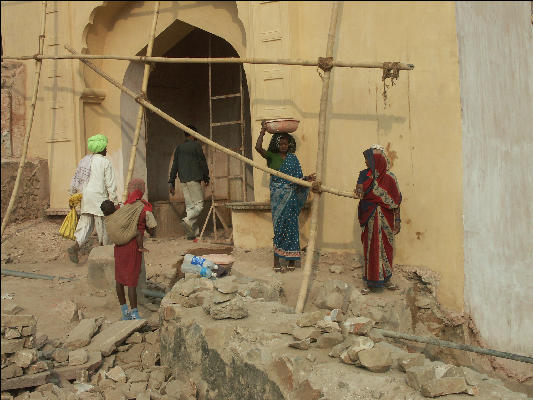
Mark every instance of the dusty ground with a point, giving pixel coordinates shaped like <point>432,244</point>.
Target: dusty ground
<point>35,246</point>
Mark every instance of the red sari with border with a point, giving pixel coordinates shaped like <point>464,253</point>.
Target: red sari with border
<point>128,258</point>
<point>376,217</point>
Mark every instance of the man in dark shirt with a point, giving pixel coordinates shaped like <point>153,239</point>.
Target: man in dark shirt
<point>191,167</point>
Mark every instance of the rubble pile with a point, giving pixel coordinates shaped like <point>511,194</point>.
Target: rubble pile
<point>231,338</point>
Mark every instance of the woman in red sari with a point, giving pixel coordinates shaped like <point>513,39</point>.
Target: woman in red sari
<point>379,217</point>
<point>128,257</point>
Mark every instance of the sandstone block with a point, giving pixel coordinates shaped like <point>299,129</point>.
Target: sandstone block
<point>357,326</point>
<point>23,358</point>
<point>17,321</point>
<point>375,359</point>
<point>310,318</point>
<point>443,386</point>
<point>329,340</point>
<point>332,294</point>
<point>78,357</point>
<point>81,335</point>
<point>109,338</point>
<point>67,311</point>
<point>117,374</point>
<point>12,333</point>
<point>233,309</point>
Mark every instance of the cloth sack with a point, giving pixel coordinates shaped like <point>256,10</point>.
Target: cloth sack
<point>121,226</point>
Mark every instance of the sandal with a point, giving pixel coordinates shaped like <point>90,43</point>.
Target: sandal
<point>392,286</point>
<point>365,291</point>
<point>290,268</point>
<point>278,269</point>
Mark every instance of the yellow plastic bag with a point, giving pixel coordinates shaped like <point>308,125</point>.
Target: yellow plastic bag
<point>71,221</point>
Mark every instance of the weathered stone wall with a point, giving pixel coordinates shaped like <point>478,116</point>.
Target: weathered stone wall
<point>34,193</point>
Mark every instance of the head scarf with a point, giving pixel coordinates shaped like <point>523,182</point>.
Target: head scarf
<point>377,162</point>
<point>136,189</point>
<point>378,147</point>
<point>274,142</point>
<point>97,143</point>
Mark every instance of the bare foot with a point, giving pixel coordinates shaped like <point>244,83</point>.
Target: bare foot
<point>143,250</point>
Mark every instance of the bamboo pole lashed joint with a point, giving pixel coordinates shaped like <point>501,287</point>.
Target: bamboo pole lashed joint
<point>325,65</point>
<point>141,96</point>
<point>38,67</point>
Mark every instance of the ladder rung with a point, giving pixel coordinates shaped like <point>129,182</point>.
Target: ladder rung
<point>226,123</point>
<point>226,96</point>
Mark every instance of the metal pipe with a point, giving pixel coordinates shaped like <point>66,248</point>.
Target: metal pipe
<point>458,346</point>
<point>32,275</point>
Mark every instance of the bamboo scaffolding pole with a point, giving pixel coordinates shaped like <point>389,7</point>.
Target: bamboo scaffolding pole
<point>206,60</point>
<point>139,98</point>
<point>140,113</point>
<point>311,244</point>
<point>452,345</point>
<point>38,67</point>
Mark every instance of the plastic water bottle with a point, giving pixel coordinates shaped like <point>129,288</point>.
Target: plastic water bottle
<point>199,266</point>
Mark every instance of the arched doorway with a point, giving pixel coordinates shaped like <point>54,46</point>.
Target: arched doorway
<point>183,91</point>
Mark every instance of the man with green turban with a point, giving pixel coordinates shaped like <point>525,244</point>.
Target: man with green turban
<point>95,180</point>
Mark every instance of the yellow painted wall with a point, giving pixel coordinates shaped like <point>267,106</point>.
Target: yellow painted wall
<point>421,126</point>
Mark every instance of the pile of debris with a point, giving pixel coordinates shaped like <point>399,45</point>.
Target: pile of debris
<point>96,360</point>
<point>235,339</point>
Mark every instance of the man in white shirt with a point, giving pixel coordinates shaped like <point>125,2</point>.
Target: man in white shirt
<point>95,179</point>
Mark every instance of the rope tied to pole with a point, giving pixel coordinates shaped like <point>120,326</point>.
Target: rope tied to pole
<point>141,97</point>
<point>325,63</point>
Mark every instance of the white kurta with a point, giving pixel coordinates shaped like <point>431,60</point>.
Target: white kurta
<point>101,186</point>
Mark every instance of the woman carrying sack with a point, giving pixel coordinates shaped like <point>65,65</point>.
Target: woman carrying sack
<point>129,256</point>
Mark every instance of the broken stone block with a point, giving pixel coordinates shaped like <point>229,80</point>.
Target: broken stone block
<point>12,333</point>
<point>17,321</point>
<point>144,396</point>
<point>152,337</point>
<point>301,344</point>
<point>125,347</point>
<point>328,326</point>
<point>117,374</point>
<point>135,376</point>
<point>272,291</point>
<point>109,338</point>
<point>132,355</point>
<point>11,371</point>
<point>472,377</point>
<point>329,340</point>
<point>29,330</point>
<point>375,359</point>
<point>29,342</point>
<point>304,333</point>
<point>336,315</point>
<point>11,309</point>
<point>233,309</point>
<point>60,355</point>
<point>443,386</point>
<point>337,350</point>
<point>336,269</point>
<point>332,294</point>
<point>150,355</point>
<point>418,376</point>
<point>40,341</point>
<point>135,338</point>
<point>137,387</point>
<point>78,357</point>
<point>360,343</point>
<point>310,318</point>
<point>226,285</point>
<point>39,366</point>
<point>171,311</point>
<point>23,358</point>
<point>346,359</point>
<point>81,335</point>
<point>411,360</point>
<point>357,326</point>
<point>67,311</point>
<point>156,379</point>
<point>114,394</point>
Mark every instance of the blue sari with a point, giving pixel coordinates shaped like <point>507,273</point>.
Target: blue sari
<point>287,200</point>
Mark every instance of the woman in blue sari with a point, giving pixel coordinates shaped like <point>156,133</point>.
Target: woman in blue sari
<point>286,198</point>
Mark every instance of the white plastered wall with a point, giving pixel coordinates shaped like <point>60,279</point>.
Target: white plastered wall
<point>496,65</point>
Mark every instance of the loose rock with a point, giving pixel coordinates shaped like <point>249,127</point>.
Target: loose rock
<point>81,335</point>
<point>78,357</point>
<point>329,340</point>
<point>117,374</point>
<point>67,311</point>
<point>234,309</point>
<point>375,359</point>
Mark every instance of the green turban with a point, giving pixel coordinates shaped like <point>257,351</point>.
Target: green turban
<point>97,143</point>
